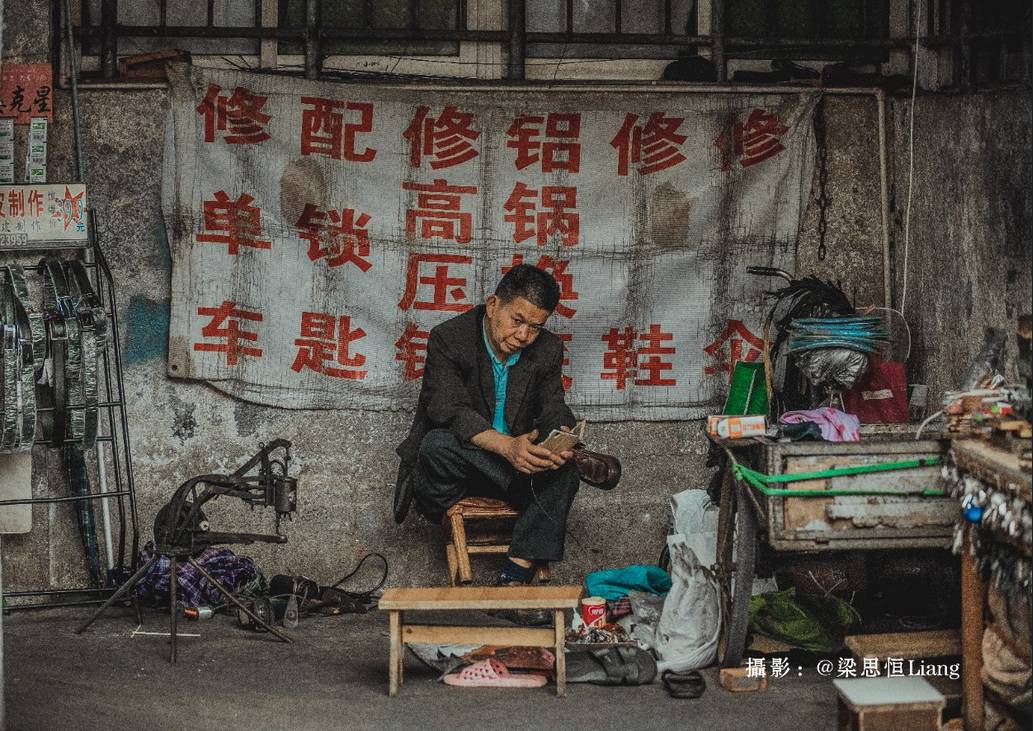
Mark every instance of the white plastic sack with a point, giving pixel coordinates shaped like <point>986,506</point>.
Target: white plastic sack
<point>686,638</point>
<point>695,517</point>
<point>641,624</point>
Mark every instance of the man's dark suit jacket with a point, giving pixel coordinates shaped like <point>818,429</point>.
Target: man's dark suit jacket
<point>459,389</point>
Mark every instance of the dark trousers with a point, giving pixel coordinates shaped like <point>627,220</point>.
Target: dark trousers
<point>448,471</point>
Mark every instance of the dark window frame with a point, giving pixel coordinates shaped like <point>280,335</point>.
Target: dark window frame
<point>958,31</point>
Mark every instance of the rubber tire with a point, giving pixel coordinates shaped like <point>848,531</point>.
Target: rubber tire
<point>737,624</point>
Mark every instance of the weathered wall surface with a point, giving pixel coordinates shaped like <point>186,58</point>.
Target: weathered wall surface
<point>970,250</point>
<point>969,266</point>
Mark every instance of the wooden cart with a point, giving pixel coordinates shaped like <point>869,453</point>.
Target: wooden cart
<point>894,509</point>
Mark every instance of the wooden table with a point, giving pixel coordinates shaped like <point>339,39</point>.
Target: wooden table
<point>556,599</point>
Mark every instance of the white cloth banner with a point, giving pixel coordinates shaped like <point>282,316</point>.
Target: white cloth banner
<point>320,230</point>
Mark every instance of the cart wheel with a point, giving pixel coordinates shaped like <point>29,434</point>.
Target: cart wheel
<point>737,555</point>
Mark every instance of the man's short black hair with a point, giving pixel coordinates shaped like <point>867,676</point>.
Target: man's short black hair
<point>533,284</point>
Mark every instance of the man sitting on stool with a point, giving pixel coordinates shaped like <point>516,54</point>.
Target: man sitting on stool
<point>491,385</point>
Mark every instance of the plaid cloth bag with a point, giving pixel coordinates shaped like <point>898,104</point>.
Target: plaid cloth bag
<point>226,567</point>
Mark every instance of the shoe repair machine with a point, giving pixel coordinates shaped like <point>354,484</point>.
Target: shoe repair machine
<point>182,531</point>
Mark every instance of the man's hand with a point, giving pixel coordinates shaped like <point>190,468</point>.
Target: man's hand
<point>521,451</point>
<point>530,458</point>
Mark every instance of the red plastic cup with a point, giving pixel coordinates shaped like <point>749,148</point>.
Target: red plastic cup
<point>593,611</point>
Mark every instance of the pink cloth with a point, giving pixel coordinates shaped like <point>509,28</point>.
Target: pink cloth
<point>835,425</point>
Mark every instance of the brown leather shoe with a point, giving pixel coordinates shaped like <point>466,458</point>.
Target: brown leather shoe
<point>599,470</point>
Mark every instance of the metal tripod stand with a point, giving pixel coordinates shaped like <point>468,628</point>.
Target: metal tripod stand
<point>175,557</point>
<point>181,530</point>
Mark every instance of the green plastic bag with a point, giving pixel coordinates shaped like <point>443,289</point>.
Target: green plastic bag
<point>747,392</point>
<point>814,623</point>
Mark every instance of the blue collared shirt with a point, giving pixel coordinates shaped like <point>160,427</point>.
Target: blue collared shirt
<point>500,372</point>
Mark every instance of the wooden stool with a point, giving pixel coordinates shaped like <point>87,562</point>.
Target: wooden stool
<point>459,546</point>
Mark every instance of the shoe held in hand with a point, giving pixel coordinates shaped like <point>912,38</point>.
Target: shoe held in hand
<point>599,470</point>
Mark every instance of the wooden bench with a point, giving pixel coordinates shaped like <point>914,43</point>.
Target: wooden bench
<point>398,601</point>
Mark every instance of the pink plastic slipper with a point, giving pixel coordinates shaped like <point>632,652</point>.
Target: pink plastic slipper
<point>491,673</point>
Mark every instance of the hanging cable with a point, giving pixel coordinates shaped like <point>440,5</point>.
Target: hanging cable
<point>911,158</point>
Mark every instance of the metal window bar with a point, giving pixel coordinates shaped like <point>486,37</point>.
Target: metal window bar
<point>945,27</point>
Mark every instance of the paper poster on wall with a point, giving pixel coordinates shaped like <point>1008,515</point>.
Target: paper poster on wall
<point>32,216</point>
<point>26,92</point>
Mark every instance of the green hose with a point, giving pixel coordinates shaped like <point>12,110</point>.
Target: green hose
<point>760,481</point>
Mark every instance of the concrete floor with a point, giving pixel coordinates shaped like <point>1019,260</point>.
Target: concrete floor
<point>334,676</point>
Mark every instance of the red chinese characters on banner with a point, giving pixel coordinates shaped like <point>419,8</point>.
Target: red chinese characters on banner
<point>447,290</point>
<point>557,214</point>
<point>625,361</point>
<point>439,211</point>
<point>411,350</point>
<point>619,359</point>
<point>235,223</point>
<point>21,206</point>
<point>239,115</point>
<point>556,147</point>
<point>735,343</point>
<point>225,325</point>
<point>34,204</point>
<point>446,139</point>
<point>757,140</point>
<point>338,236</point>
<point>565,379</point>
<point>648,147</point>
<point>15,202</point>
<point>328,338</point>
<point>558,269</point>
<point>650,357</point>
<point>325,132</point>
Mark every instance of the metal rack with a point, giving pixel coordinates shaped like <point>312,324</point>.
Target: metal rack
<point>116,436</point>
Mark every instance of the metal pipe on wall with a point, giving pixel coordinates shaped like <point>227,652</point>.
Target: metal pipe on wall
<point>717,46</point>
<point>109,39</point>
<point>313,62</point>
<point>884,194</point>
<point>80,168</point>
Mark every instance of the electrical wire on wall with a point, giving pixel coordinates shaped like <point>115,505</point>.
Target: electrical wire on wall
<point>911,156</point>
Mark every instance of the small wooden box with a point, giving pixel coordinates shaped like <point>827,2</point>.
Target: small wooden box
<point>738,680</point>
<point>888,704</point>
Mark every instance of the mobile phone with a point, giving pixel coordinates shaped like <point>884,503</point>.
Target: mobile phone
<point>560,441</point>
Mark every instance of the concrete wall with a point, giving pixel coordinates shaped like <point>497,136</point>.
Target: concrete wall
<point>971,228</point>
<point>969,265</point>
